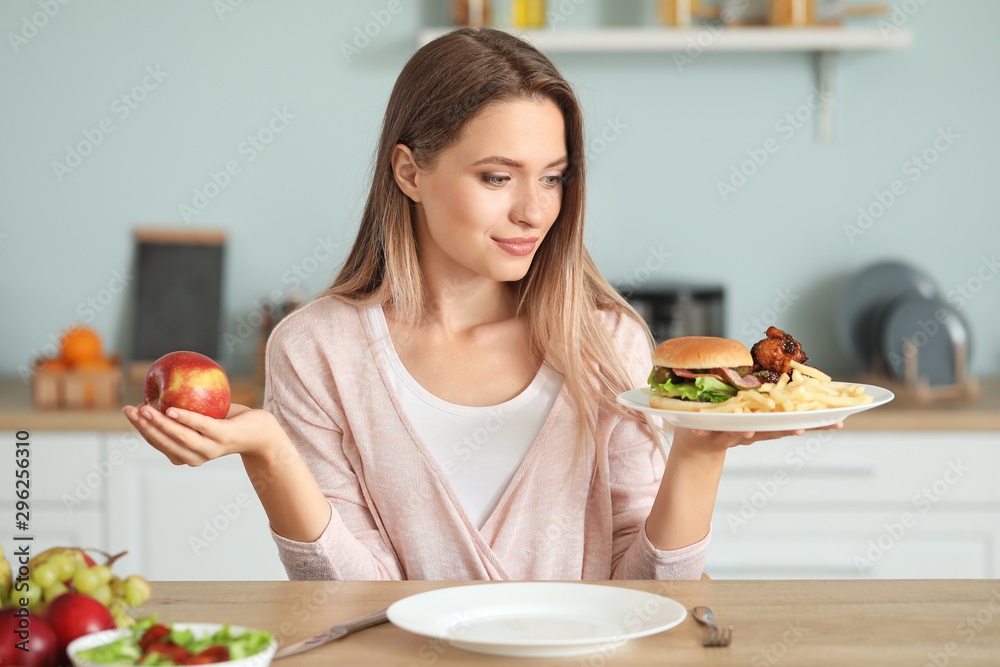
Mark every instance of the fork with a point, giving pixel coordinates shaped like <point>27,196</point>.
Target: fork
<point>716,636</point>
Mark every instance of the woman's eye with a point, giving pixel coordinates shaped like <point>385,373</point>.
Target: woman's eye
<point>553,181</point>
<point>495,180</point>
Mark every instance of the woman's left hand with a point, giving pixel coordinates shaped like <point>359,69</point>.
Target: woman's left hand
<point>719,441</point>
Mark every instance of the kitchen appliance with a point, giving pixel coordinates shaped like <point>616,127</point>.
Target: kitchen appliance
<point>676,309</point>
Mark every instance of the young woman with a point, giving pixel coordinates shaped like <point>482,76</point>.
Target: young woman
<point>446,410</point>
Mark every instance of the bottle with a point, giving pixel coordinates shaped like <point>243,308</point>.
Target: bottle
<point>473,13</point>
<point>528,13</point>
<point>794,13</point>
<point>677,13</point>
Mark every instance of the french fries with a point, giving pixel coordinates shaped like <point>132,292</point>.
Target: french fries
<point>807,388</point>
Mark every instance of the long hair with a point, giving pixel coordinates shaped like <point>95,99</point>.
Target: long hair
<point>443,86</point>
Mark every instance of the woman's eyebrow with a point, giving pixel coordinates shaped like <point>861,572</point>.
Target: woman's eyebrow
<point>514,164</point>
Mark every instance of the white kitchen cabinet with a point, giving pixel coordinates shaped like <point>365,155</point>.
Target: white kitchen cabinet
<point>860,505</point>
<point>65,493</point>
<point>863,504</point>
<point>183,523</point>
<point>114,492</point>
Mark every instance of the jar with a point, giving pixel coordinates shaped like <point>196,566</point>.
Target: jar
<point>473,13</point>
<point>528,13</point>
<point>676,13</point>
<point>795,13</point>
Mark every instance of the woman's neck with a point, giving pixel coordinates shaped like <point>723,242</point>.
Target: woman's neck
<point>457,304</point>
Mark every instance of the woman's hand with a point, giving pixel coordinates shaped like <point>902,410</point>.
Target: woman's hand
<point>189,438</point>
<point>699,440</point>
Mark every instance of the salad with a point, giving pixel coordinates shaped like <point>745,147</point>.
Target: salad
<point>152,643</point>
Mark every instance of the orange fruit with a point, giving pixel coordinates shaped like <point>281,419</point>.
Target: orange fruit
<point>80,344</point>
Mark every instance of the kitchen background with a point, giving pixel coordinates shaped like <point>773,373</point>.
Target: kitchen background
<point>181,86</point>
<point>259,119</point>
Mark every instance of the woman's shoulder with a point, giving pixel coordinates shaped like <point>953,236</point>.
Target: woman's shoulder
<point>324,319</point>
<point>625,329</point>
<point>631,340</point>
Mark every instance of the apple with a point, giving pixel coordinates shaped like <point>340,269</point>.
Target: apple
<point>74,615</point>
<point>39,645</point>
<point>189,381</point>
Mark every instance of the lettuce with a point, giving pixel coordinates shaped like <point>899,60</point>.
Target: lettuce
<point>698,389</point>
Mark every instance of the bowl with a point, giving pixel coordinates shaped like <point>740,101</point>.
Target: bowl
<point>261,659</point>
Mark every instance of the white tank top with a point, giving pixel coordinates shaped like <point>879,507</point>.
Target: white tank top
<point>479,448</point>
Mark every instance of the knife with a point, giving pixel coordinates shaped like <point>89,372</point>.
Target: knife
<point>334,633</point>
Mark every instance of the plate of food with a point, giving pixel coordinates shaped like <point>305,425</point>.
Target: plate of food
<point>717,384</point>
<point>149,642</point>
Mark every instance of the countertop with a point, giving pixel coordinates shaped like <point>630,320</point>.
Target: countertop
<point>810,622</point>
<point>16,411</point>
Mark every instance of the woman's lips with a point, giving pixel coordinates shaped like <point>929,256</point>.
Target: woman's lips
<point>518,246</point>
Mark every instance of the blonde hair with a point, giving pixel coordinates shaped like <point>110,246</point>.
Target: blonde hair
<point>444,85</point>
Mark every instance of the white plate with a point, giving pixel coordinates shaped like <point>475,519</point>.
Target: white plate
<point>94,639</point>
<point>637,399</point>
<point>536,619</point>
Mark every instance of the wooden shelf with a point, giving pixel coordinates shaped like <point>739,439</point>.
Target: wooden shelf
<point>631,40</point>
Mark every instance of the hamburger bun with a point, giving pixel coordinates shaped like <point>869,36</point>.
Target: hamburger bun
<point>701,352</point>
<point>667,403</point>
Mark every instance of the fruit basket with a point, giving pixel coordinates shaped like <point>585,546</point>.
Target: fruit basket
<point>56,385</point>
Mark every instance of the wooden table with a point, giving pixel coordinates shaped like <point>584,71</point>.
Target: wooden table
<point>794,623</point>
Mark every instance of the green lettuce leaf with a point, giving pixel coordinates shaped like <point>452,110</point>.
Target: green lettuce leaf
<point>699,389</point>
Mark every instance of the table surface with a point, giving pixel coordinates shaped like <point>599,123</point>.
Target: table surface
<point>802,623</point>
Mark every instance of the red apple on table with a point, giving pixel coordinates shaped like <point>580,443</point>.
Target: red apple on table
<point>74,615</point>
<point>33,633</point>
<point>189,381</point>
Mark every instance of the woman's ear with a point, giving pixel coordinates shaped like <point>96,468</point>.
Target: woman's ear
<point>405,171</point>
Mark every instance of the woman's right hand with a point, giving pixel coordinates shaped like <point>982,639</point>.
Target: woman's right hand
<point>189,438</point>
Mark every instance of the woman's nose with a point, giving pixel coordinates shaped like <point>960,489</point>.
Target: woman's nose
<point>528,209</point>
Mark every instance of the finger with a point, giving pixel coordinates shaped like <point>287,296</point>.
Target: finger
<point>155,438</point>
<point>172,438</point>
<point>206,426</point>
<point>838,425</point>
<point>186,437</point>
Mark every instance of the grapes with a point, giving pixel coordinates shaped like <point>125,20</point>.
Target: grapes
<point>61,570</point>
<point>137,590</point>
<point>86,580</point>
<point>102,594</point>
<point>54,591</point>
<point>32,594</point>
<point>103,573</point>
<point>64,567</point>
<point>45,575</point>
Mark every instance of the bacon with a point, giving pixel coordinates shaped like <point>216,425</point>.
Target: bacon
<point>685,373</point>
<point>745,382</point>
<point>727,375</point>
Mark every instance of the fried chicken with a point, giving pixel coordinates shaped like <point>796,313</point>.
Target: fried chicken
<point>775,353</point>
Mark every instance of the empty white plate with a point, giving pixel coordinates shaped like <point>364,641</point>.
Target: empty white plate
<point>536,619</point>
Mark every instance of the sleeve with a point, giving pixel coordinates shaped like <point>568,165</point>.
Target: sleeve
<point>635,467</point>
<point>351,547</point>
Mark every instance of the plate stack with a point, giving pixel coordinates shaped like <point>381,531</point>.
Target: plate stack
<point>894,321</point>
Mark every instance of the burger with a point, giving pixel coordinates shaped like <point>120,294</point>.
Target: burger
<point>691,371</point>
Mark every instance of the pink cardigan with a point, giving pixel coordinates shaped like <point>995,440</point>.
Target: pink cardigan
<point>395,516</point>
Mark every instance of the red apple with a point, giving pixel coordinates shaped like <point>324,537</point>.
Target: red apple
<point>27,639</point>
<point>74,615</point>
<point>189,381</point>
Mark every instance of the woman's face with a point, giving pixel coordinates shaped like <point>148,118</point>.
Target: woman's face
<point>490,199</point>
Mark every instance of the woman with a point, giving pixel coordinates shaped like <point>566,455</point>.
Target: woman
<point>446,409</point>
